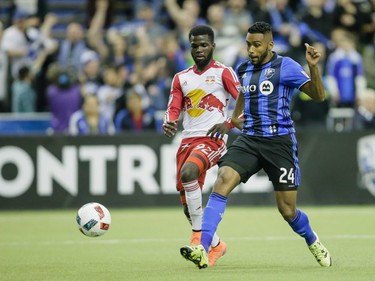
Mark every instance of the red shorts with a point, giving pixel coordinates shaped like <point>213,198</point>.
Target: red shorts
<point>202,151</point>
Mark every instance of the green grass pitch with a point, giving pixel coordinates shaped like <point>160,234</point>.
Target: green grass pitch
<point>143,244</point>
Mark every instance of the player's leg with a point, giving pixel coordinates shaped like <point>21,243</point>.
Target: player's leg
<point>299,222</point>
<point>213,212</point>
<point>189,179</point>
<point>297,219</point>
<point>238,164</point>
<point>227,179</point>
<point>203,154</point>
<point>281,165</point>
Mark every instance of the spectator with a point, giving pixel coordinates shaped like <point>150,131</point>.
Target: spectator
<point>42,48</point>
<point>118,49</point>
<point>188,8</point>
<point>354,17</point>
<point>37,8</point>
<point>238,14</point>
<point>364,117</point>
<point>287,37</point>
<point>183,18</point>
<point>78,40</point>
<point>228,38</point>
<point>109,92</point>
<point>134,117</point>
<point>24,40</point>
<point>345,71</point>
<point>316,23</point>
<point>23,94</point>
<point>63,97</point>
<point>369,62</point>
<point>174,54</point>
<point>91,76</point>
<point>143,26</point>
<point>15,43</point>
<point>72,47</point>
<point>89,121</point>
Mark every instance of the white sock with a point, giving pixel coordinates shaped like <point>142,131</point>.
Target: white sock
<point>193,195</point>
<point>215,240</point>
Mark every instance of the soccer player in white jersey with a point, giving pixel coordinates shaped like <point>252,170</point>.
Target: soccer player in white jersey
<point>201,92</point>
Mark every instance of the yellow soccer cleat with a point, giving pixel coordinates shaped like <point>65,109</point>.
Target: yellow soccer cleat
<point>195,254</point>
<point>320,253</point>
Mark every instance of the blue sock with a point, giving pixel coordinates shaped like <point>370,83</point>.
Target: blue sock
<point>300,225</point>
<point>211,217</point>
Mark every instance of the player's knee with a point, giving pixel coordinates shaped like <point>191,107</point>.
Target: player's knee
<point>226,181</point>
<point>189,172</point>
<point>288,213</point>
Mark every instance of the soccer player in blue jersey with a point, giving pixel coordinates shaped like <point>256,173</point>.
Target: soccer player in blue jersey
<point>267,140</point>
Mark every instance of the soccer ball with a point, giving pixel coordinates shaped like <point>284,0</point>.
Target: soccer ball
<point>93,219</point>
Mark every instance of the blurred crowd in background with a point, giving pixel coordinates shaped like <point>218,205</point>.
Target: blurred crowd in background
<point>105,66</point>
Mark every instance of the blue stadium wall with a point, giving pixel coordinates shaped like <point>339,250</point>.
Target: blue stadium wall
<point>137,170</point>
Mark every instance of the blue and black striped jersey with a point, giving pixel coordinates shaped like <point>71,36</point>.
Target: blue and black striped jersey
<point>268,91</point>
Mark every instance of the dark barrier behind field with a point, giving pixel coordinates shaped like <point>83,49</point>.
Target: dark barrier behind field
<point>138,170</point>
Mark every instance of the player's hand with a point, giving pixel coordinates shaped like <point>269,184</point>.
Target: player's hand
<point>312,55</point>
<point>218,131</point>
<point>170,128</point>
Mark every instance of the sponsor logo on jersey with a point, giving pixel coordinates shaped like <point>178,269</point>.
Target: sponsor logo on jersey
<point>266,87</point>
<point>249,88</point>
<point>210,102</point>
<point>197,102</point>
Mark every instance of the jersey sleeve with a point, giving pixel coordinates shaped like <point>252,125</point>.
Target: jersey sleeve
<point>230,82</point>
<point>175,101</point>
<point>294,75</point>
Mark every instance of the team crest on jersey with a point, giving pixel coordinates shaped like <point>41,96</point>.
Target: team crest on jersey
<point>269,73</point>
<point>210,79</point>
<point>266,87</point>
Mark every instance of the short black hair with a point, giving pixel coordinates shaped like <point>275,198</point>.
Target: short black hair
<point>23,72</point>
<point>260,27</point>
<point>202,30</point>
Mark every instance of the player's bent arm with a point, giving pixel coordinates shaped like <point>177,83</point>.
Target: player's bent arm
<point>218,131</point>
<point>314,88</point>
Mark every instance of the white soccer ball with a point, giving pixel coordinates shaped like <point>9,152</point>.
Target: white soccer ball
<point>93,219</point>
